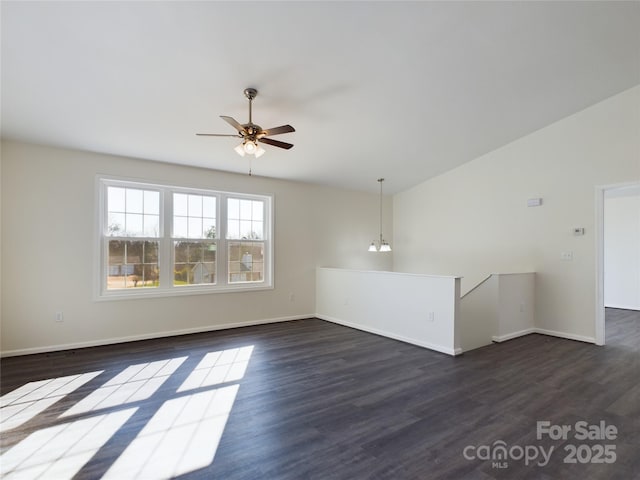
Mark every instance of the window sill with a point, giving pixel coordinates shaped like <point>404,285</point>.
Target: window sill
<point>177,292</point>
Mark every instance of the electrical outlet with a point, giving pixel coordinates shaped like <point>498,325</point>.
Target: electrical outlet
<point>59,317</point>
<point>566,256</point>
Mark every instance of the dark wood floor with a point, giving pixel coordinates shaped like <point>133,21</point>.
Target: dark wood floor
<point>323,401</point>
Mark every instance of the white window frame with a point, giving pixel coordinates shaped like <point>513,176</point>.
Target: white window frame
<point>166,260</point>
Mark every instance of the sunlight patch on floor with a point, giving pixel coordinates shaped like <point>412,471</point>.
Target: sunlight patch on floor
<point>219,367</point>
<point>135,383</point>
<point>24,403</point>
<point>181,437</point>
<point>59,452</point>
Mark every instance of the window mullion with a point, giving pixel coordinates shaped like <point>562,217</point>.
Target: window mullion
<point>166,250</point>
<point>221,260</point>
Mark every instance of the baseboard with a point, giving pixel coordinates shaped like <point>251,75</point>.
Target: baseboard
<point>624,307</point>
<point>225,326</point>
<point>150,336</point>
<point>568,336</point>
<point>543,331</point>
<point>383,333</point>
<point>509,336</point>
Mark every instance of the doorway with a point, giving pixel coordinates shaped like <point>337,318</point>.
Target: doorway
<point>617,252</point>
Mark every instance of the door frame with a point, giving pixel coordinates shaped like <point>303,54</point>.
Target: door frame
<point>600,335</point>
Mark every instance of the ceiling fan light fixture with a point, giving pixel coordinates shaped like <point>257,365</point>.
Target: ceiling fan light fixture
<point>251,133</point>
<point>250,147</point>
<point>240,150</point>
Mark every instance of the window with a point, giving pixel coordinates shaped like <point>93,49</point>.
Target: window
<point>245,232</point>
<point>132,212</point>
<point>194,233</point>
<point>164,240</point>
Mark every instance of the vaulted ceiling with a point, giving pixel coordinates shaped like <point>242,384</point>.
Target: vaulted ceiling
<point>400,90</point>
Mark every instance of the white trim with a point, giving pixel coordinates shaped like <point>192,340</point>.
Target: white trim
<point>568,336</point>
<point>150,336</point>
<point>180,291</point>
<point>225,326</point>
<point>624,307</point>
<point>512,335</point>
<point>98,251</point>
<point>543,331</point>
<point>166,253</point>
<point>384,333</point>
<point>599,325</point>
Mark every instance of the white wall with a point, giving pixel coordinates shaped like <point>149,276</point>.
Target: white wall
<point>479,313</point>
<point>0,247</point>
<point>48,223</point>
<point>418,309</point>
<point>516,304</point>
<point>622,249</point>
<point>473,220</point>
<point>499,308</point>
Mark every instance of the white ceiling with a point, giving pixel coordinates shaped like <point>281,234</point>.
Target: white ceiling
<point>400,90</point>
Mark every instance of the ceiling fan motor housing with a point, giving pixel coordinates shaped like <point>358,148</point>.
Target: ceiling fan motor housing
<point>250,93</point>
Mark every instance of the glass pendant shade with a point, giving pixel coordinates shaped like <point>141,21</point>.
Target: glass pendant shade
<point>383,246</point>
<point>250,147</point>
<point>240,150</point>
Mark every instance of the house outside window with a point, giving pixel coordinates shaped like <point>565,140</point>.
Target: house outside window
<point>245,235</point>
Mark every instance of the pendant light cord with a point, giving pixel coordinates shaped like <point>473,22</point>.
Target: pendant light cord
<point>380,180</point>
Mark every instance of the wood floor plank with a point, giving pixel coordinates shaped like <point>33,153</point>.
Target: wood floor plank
<point>319,400</point>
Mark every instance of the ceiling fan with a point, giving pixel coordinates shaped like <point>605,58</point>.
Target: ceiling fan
<point>251,133</point>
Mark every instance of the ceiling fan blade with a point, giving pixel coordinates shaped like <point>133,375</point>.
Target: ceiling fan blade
<point>217,135</point>
<point>276,143</point>
<point>233,122</point>
<point>278,130</point>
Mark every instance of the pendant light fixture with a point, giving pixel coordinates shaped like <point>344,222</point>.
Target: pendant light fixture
<point>382,246</point>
